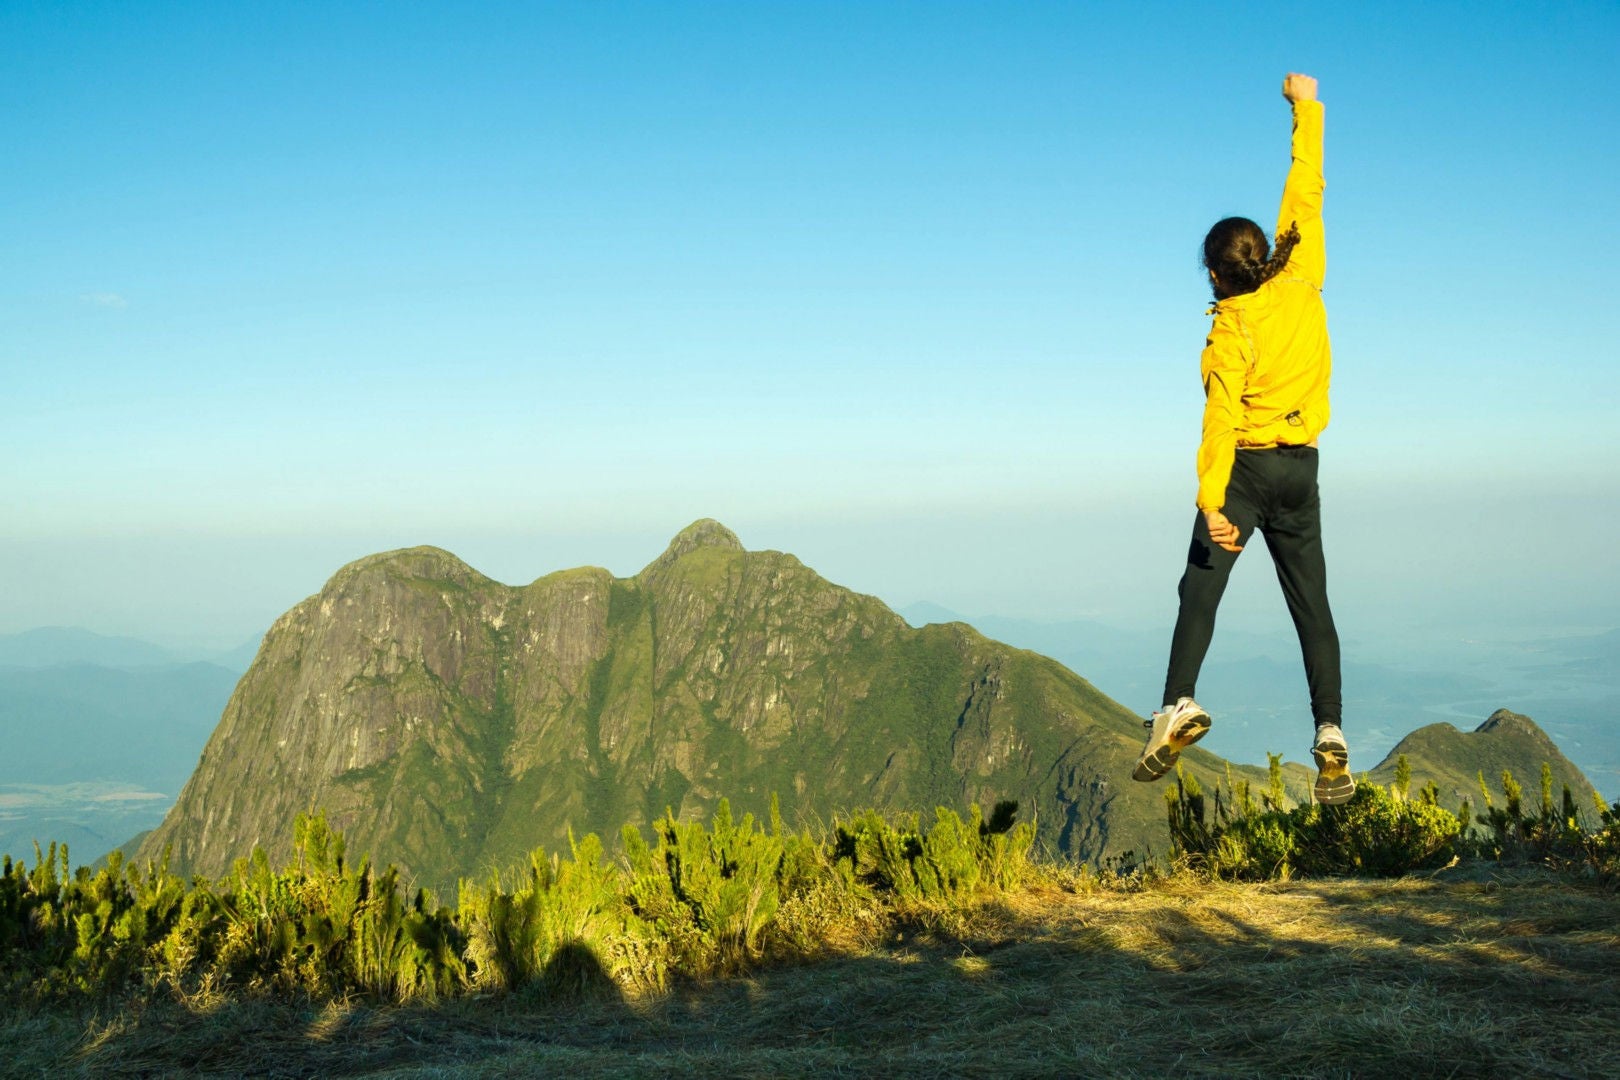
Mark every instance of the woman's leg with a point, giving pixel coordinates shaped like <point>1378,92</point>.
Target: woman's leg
<point>1203,583</point>
<point>1294,535</point>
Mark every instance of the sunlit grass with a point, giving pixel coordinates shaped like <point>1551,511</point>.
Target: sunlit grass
<point>877,948</point>
<point>1473,970</point>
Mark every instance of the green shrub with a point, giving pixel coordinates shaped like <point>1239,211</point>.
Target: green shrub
<point>945,864</point>
<point>1601,846</point>
<point>700,899</point>
<point>1374,833</point>
<point>1383,832</point>
<point>321,926</point>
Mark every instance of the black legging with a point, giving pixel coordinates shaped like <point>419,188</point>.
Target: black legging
<point>1272,490</point>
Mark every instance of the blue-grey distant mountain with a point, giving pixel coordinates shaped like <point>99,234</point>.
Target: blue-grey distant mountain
<point>1604,646</point>
<point>924,612</point>
<point>48,646</point>
<point>237,659</point>
<point>92,755</point>
<point>19,836</point>
<point>1593,658</point>
<point>84,722</point>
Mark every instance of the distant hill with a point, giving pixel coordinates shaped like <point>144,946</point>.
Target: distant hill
<point>90,755</point>
<point>84,844</point>
<point>50,646</point>
<point>1454,760</point>
<point>1595,656</point>
<point>924,612</point>
<point>143,725</point>
<point>450,723</point>
<point>1604,646</point>
<point>238,659</point>
<point>97,736</point>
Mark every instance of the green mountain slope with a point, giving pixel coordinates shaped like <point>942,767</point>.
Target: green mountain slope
<point>1454,760</point>
<point>451,723</point>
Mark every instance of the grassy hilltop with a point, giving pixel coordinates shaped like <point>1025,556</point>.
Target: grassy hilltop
<point>1455,760</point>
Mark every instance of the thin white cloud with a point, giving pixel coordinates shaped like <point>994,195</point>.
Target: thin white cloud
<point>105,300</point>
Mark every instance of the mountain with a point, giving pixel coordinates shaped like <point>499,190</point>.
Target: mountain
<point>237,659</point>
<point>92,754</point>
<point>18,841</point>
<point>48,646</point>
<point>450,723</point>
<point>1455,759</point>
<point>78,722</point>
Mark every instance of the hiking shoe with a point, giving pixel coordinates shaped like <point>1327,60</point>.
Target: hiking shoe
<point>1170,732</point>
<point>1334,784</point>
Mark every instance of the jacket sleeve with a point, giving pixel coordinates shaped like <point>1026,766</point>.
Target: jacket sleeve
<point>1302,195</point>
<point>1225,367</point>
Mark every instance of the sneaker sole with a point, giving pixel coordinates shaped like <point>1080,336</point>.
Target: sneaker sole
<point>1334,784</point>
<point>1160,761</point>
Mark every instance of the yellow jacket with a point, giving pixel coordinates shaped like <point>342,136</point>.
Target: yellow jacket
<point>1267,361</point>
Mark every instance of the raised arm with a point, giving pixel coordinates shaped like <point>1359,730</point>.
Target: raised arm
<point>1302,193</point>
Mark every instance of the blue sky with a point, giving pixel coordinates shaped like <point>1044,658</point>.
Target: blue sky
<point>907,289</point>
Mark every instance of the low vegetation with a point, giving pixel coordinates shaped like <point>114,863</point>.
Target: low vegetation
<point>1238,834</point>
<point>700,900</point>
<point>942,948</point>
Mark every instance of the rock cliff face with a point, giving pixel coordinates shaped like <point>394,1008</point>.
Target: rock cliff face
<point>450,724</point>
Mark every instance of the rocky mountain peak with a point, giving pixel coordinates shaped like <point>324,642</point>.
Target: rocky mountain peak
<point>419,563</point>
<point>703,533</point>
<point>1505,721</point>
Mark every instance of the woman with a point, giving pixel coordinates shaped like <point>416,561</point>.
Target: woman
<point>1266,366</point>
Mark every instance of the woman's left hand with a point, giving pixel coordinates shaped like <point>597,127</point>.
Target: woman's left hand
<point>1222,531</point>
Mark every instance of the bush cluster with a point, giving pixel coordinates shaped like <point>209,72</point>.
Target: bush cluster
<point>700,899</point>
<point>1233,833</point>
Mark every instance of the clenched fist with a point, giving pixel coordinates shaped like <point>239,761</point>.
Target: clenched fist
<point>1298,87</point>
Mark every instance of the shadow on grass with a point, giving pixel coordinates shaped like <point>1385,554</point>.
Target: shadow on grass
<point>1419,977</point>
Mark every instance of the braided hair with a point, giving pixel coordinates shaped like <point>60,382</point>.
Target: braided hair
<point>1237,252</point>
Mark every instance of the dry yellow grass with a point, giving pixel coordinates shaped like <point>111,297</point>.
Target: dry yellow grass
<point>1474,971</point>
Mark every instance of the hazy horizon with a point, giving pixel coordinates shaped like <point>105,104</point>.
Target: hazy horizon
<point>215,593</point>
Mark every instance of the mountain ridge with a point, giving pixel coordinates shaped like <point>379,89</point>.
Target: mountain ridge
<point>450,723</point>
<point>55,646</point>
